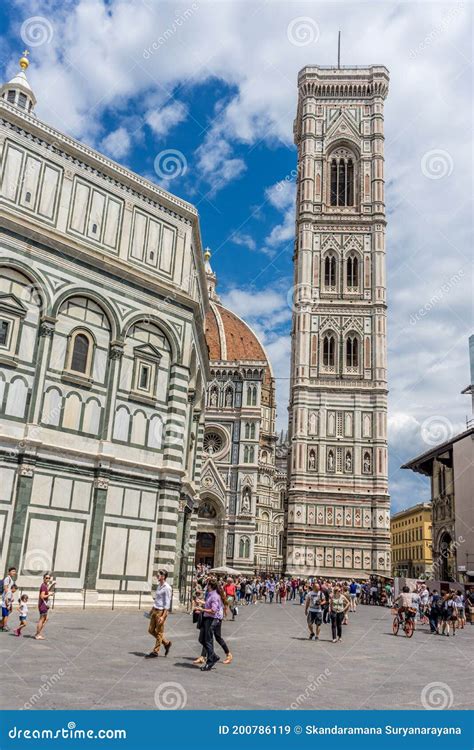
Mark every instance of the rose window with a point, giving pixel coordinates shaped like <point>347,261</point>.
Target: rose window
<point>213,442</point>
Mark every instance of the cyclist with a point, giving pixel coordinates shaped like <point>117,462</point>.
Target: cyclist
<point>404,604</point>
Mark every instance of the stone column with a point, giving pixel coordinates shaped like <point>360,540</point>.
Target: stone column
<point>99,500</point>
<point>20,510</point>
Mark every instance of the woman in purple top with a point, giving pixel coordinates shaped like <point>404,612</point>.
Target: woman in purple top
<point>213,613</point>
<point>43,605</point>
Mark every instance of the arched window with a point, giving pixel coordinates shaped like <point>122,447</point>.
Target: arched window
<point>342,178</point>
<point>252,431</point>
<point>247,430</point>
<point>330,271</point>
<point>80,353</point>
<point>352,272</point>
<point>244,546</point>
<point>251,454</point>
<point>249,395</point>
<point>246,454</point>
<point>352,351</point>
<point>329,351</point>
<point>254,395</point>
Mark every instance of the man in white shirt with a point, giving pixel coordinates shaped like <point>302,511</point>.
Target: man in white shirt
<point>159,613</point>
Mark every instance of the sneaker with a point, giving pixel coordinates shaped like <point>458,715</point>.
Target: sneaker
<point>334,640</point>
<point>39,637</point>
<point>151,655</point>
<point>311,636</point>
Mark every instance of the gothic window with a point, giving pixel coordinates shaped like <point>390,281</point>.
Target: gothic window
<point>329,351</point>
<point>244,547</point>
<point>352,272</point>
<point>330,272</point>
<point>352,352</point>
<point>213,442</point>
<point>251,454</point>
<point>246,454</point>
<point>342,178</point>
<point>80,353</point>
<point>252,432</point>
<point>247,430</point>
<point>254,395</point>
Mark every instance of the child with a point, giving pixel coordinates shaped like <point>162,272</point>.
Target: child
<point>23,611</point>
<point>7,604</point>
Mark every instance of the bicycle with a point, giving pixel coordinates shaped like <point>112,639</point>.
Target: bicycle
<point>406,623</point>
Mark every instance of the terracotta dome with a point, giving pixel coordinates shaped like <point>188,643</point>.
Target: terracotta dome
<point>230,339</point>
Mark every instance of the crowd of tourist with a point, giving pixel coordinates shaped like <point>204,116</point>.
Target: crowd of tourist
<point>218,598</point>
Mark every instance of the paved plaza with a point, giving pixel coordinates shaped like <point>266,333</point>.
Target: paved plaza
<point>93,659</point>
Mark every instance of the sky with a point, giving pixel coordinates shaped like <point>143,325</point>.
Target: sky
<point>200,97</point>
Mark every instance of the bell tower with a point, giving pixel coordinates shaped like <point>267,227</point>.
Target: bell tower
<point>338,504</point>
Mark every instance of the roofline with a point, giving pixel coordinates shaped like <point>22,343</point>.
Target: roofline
<point>437,449</point>
<point>266,361</point>
<point>412,509</point>
<point>101,162</point>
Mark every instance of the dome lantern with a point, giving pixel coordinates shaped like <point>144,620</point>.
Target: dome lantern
<point>18,91</point>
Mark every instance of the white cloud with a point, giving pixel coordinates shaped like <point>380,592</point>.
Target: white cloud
<point>244,240</point>
<point>162,120</point>
<point>216,163</point>
<point>281,196</point>
<point>117,143</point>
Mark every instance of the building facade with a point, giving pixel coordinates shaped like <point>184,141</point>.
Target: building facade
<point>103,364</point>
<point>410,531</point>
<point>450,467</point>
<point>338,503</point>
<point>240,518</point>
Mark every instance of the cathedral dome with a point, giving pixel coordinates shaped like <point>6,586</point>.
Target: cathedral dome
<point>230,339</point>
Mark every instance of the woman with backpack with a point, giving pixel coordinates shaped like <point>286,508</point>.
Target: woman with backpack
<point>449,614</point>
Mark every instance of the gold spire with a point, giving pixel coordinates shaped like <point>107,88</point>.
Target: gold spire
<point>24,62</point>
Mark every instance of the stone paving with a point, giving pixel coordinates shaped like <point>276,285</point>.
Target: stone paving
<point>94,659</point>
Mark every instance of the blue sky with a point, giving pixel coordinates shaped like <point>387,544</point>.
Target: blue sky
<point>215,84</point>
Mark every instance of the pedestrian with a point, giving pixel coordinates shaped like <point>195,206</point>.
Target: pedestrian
<point>434,612</point>
<point>230,591</point>
<point>45,593</point>
<point>271,589</point>
<point>5,587</point>
<point>339,604</point>
<point>213,613</point>
<point>282,592</point>
<point>353,595</point>
<point>460,609</point>
<point>314,610</point>
<point>159,614</point>
<point>449,614</point>
<point>23,613</point>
